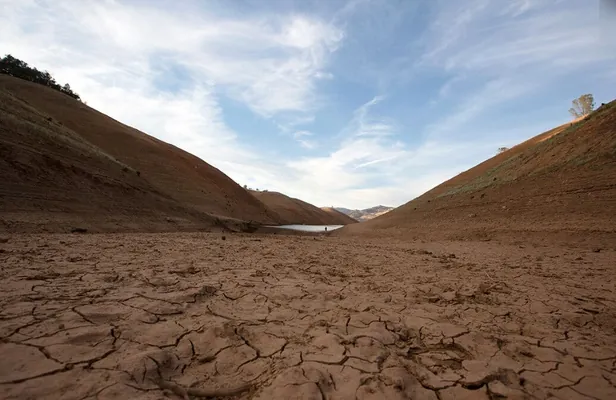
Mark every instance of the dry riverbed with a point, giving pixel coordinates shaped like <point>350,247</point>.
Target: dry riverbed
<point>153,316</point>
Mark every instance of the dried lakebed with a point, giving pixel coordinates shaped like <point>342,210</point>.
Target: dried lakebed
<point>155,316</point>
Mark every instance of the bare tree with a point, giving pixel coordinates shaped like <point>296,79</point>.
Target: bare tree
<point>582,106</point>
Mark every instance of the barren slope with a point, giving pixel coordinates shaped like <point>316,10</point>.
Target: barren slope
<point>562,182</point>
<point>61,158</point>
<point>339,216</point>
<point>294,211</point>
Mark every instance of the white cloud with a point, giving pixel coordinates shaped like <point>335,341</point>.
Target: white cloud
<point>450,26</point>
<point>372,166</point>
<point>517,7</point>
<point>112,53</point>
<point>109,52</point>
<point>542,34</point>
<point>302,138</point>
<point>364,125</point>
<point>495,55</point>
<point>489,95</point>
<point>269,63</point>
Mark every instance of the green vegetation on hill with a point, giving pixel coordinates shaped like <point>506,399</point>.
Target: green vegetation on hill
<point>12,66</point>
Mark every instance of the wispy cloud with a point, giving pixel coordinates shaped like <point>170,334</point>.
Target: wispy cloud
<point>450,27</point>
<point>444,83</point>
<point>302,138</point>
<point>270,63</point>
<point>112,54</point>
<point>494,55</point>
<point>482,35</point>
<point>490,94</point>
<point>372,165</point>
<point>363,124</point>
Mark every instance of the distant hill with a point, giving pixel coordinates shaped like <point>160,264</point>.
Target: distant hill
<point>289,210</point>
<point>561,183</point>
<point>365,214</point>
<point>342,217</point>
<point>64,164</point>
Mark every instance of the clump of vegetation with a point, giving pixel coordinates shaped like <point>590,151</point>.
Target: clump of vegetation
<point>12,66</point>
<point>255,189</point>
<point>582,106</point>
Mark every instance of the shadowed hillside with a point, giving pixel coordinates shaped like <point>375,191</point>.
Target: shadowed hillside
<point>562,182</point>
<point>294,211</point>
<point>64,163</point>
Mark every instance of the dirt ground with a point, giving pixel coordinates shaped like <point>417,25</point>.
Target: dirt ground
<point>153,316</point>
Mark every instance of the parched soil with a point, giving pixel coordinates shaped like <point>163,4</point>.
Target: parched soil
<point>127,316</point>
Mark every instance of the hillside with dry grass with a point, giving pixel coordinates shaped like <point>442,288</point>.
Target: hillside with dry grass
<point>561,183</point>
<point>365,214</point>
<point>339,216</point>
<point>290,210</point>
<point>65,164</point>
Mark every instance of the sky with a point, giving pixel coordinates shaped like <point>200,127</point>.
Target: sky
<point>350,103</point>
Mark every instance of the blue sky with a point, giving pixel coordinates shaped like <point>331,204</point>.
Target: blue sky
<point>348,103</point>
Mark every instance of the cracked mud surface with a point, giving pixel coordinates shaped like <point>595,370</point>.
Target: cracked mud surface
<point>269,317</point>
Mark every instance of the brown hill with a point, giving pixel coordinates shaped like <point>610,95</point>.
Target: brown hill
<point>365,214</point>
<point>64,163</point>
<point>294,211</point>
<point>339,216</point>
<point>561,183</point>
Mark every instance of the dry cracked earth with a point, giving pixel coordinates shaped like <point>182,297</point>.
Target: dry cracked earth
<point>127,316</point>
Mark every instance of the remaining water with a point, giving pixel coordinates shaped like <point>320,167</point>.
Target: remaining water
<point>309,228</point>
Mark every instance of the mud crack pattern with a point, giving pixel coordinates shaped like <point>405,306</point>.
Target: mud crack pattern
<point>268,317</point>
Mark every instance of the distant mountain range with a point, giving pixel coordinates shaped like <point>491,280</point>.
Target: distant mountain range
<point>365,214</point>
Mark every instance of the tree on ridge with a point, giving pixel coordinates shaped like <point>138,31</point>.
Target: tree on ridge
<point>17,68</point>
<point>582,106</point>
